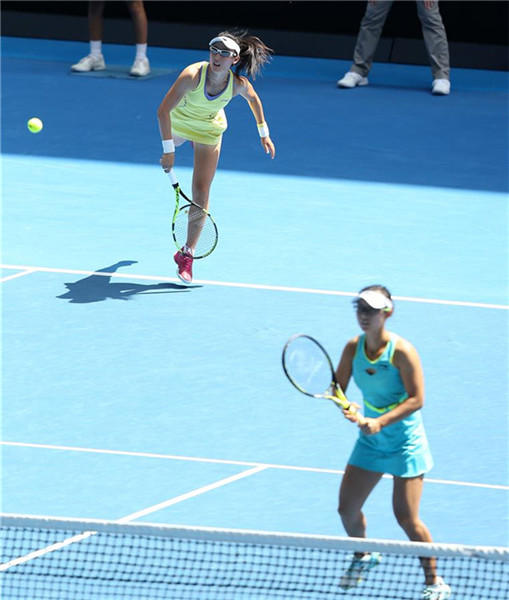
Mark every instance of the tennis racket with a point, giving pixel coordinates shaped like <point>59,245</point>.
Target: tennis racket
<point>309,368</point>
<point>192,225</point>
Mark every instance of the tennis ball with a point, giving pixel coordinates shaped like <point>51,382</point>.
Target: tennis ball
<point>34,125</point>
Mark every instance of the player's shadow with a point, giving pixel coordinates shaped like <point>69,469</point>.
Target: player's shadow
<point>98,287</point>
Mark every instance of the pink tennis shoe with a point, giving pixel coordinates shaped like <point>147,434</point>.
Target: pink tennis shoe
<point>184,262</point>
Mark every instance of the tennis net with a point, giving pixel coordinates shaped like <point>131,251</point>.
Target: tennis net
<point>66,559</point>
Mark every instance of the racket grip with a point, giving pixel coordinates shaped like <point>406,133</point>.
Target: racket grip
<point>350,408</point>
<point>173,178</point>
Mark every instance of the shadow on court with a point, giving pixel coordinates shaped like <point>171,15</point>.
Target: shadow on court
<point>98,287</point>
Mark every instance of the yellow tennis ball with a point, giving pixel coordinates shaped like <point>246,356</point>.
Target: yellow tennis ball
<point>34,125</point>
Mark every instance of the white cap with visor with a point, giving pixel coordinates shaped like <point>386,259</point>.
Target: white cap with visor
<point>376,300</point>
<point>227,41</point>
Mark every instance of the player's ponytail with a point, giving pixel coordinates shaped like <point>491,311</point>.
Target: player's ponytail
<point>254,54</point>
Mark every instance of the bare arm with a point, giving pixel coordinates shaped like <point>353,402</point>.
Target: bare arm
<point>344,368</point>
<point>344,373</point>
<point>244,88</point>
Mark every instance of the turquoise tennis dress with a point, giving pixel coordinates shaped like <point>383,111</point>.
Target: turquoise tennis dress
<point>399,449</point>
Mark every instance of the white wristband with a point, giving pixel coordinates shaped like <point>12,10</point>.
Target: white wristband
<point>168,146</point>
<point>263,129</point>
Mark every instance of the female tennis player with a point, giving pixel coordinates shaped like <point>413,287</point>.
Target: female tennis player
<point>193,109</point>
<point>387,370</point>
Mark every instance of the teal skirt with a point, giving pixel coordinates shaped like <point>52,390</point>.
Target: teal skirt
<point>400,449</point>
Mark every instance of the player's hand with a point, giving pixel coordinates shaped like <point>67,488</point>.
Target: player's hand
<point>167,161</point>
<point>370,426</point>
<point>352,416</point>
<point>268,146</point>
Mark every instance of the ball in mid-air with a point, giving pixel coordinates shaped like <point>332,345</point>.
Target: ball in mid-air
<point>34,125</point>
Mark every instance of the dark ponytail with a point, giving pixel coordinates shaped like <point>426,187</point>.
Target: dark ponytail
<point>254,54</point>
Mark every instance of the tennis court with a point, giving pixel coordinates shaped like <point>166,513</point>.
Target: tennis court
<point>129,396</point>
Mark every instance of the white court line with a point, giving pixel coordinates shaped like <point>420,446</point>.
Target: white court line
<point>254,286</point>
<point>42,551</point>
<point>22,274</point>
<point>232,462</point>
<point>192,494</point>
<point>136,515</point>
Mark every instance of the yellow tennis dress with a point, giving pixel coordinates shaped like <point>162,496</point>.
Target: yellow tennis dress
<point>199,117</point>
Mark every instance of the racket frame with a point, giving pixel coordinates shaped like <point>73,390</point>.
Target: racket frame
<point>334,393</point>
<point>178,193</point>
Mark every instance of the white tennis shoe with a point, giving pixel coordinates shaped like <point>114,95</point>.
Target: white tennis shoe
<point>140,68</point>
<point>441,87</point>
<point>92,62</point>
<point>438,591</point>
<point>351,80</point>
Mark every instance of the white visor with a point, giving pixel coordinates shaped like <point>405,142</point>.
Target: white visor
<point>227,41</point>
<point>375,299</point>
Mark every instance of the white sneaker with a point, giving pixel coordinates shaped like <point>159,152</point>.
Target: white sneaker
<point>438,591</point>
<point>351,80</point>
<point>140,68</point>
<point>92,62</point>
<point>441,87</point>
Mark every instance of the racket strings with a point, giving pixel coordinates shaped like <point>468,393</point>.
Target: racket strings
<point>192,226</point>
<point>308,367</point>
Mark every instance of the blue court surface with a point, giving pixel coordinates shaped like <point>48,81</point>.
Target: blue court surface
<point>129,396</point>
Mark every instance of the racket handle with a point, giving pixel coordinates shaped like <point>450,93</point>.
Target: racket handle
<point>173,178</point>
<point>350,408</point>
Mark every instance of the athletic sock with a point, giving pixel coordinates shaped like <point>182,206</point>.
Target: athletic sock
<point>96,47</point>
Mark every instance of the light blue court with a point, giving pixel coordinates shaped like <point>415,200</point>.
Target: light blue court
<point>126,394</point>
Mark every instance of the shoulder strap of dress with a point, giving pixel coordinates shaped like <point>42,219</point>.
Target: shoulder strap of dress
<point>393,342</point>
<point>203,73</point>
<point>360,346</point>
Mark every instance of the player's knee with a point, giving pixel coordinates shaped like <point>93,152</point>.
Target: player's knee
<point>346,511</point>
<point>408,523</point>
